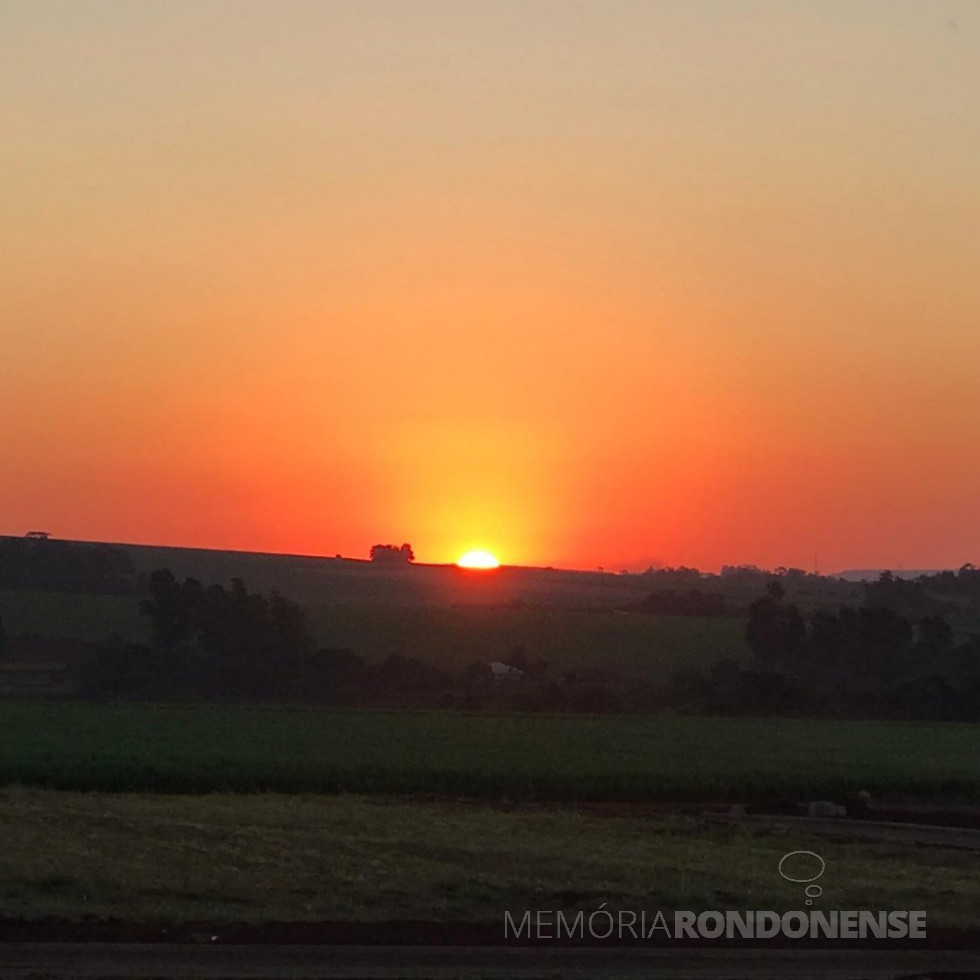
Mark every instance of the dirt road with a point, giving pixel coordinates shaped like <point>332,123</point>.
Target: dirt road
<point>162,962</point>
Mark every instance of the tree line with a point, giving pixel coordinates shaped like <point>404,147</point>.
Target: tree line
<point>214,643</point>
<point>226,643</point>
<point>866,661</point>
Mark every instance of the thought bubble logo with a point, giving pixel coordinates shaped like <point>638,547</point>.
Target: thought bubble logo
<point>800,864</point>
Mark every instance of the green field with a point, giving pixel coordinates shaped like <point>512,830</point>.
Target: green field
<point>223,858</point>
<point>519,757</point>
<point>631,644</point>
<point>73,616</point>
<point>625,643</point>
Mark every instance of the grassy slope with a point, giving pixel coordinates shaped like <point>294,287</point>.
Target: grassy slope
<point>270,857</point>
<point>187,749</point>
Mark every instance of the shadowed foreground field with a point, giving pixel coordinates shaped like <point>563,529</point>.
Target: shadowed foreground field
<point>225,858</point>
<point>185,749</point>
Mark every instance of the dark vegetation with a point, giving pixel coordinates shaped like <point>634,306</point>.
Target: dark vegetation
<point>217,644</point>
<point>212,643</point>
<point>41,564</point>
<point>869,661</point>
<point>690,602</point>
<point>392,553</point>
<point>908,650</point>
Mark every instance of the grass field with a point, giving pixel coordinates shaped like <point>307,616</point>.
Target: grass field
<point>250,859</point>
<point>450,637</point>
<point>74,616</point>
<point>519,757</point>
<point>632,644</point>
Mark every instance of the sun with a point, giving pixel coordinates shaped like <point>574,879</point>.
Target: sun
<point>478,559</point>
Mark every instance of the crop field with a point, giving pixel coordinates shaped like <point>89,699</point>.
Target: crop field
<point>182,749</point>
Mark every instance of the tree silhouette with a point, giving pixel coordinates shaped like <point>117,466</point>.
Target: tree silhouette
<point>233,641</point>
<point>392,553</point>
<point>776,633</point>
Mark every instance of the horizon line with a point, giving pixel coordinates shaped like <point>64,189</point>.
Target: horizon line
<point>598,570</point>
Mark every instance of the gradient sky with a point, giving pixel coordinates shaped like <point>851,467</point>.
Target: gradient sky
<point>591,282</point>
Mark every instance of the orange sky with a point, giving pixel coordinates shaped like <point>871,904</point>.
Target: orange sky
<point>581,283</point>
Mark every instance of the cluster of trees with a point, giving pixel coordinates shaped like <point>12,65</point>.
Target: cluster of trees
<point>688,602</point>
<point>869,660</point>
<point>678,577</point>
<point>392,553</point>
<point>874,660</point>
<point>206,642</point>
<point>217,643</point>
<point>965,582</point>
<point>951,594</point>
<point>45,565</point>
<point>754,573</point>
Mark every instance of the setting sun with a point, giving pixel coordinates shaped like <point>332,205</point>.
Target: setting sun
<point>478,559</point>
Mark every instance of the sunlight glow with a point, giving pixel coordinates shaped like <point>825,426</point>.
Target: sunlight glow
<point>478,559</point>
